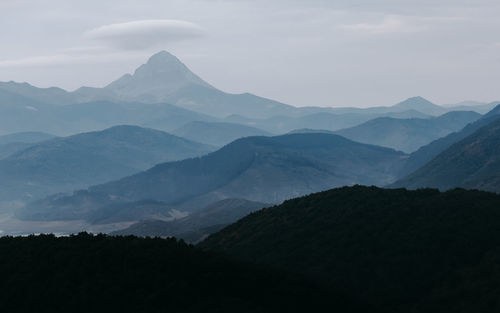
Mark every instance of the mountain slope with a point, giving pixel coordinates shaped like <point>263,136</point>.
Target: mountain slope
<point>408,135</point>
<point>473,162</point>
<point>479,107</point>
<point>12,143</point>
<point>63,164</point>
<point>197,225</point>
<point>395,249</point>
<point>25,137</point>
<point>164,78</point>
<point>103,114</point>
<point>262,169</point>
<point>216,133</point>
<point>21,114</point>
<point>51,95</point>
<point>426,153</point>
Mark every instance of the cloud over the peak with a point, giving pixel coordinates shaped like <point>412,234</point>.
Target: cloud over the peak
<point>144,34</point>
<point>390,24</point>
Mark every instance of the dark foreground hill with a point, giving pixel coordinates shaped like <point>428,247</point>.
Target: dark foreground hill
<point>86,273</point>
<point>473,162</point>
<point>402,251</point>
<point>262,169</point>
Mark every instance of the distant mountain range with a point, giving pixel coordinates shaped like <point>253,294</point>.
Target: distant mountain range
<point>328,119</point>
<point>65,164</point>
<point>262,169</point>
<point>198,225</point>
<point>480,107</point>
<point>408,135</point>
<point>164,94</point>
<point>141,99</point>
<point>20,114</point>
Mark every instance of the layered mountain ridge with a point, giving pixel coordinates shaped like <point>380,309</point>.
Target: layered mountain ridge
<point>262,169</point>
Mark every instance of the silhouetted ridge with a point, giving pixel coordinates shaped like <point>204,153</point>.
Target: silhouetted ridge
<point>399,250</point>
<point>86,273</point>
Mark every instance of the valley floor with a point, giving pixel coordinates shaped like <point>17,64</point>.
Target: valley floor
<point>11,226</point>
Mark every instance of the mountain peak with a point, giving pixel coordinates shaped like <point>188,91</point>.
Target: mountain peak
<point>159,77</point>
<point>421,104</point>
<point>415,100</point>
<point>162,57</point>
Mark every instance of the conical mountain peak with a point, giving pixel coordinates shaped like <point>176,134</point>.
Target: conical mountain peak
<point>162,75</point>
<point>162,57</point>
<point>420,104</point>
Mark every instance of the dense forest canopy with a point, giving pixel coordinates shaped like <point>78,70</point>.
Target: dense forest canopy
<point>86,273</point>
<point>399,250</point>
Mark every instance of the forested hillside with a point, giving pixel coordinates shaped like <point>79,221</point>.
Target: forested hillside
<point>399,250</point>
<point>85,273</point>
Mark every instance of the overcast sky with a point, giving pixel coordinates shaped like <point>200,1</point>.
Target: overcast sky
<point>315,52</point>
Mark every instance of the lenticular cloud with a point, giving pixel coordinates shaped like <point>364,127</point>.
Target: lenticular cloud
<point>144,34</point>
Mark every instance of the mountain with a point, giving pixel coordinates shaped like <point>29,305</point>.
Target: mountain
<point>164,78</point>
<point>98,273</point>
<point>398,250</point>
<point>408,135</point>
<point>163,75</point>
<point>198,225</point>
<point>12,143</point>
<point>310,130</point>
<point>51,95</point>
<point>464,104</point>
<point>217,133</point>
<point>64,164</point>
<point>420,104</point>
<point>25,137</point>
<point>262,169</point>
<point>11,148</point>
<point>414,104</point>
<point>480,107</point>
<point>165,81</point>
<point>320,120</point>
<point>473,163</point>
<point>21,114</point>
<point>428,152</point>
<point>103,114</point>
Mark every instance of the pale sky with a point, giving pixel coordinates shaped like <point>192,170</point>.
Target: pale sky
<point>315,52</point>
